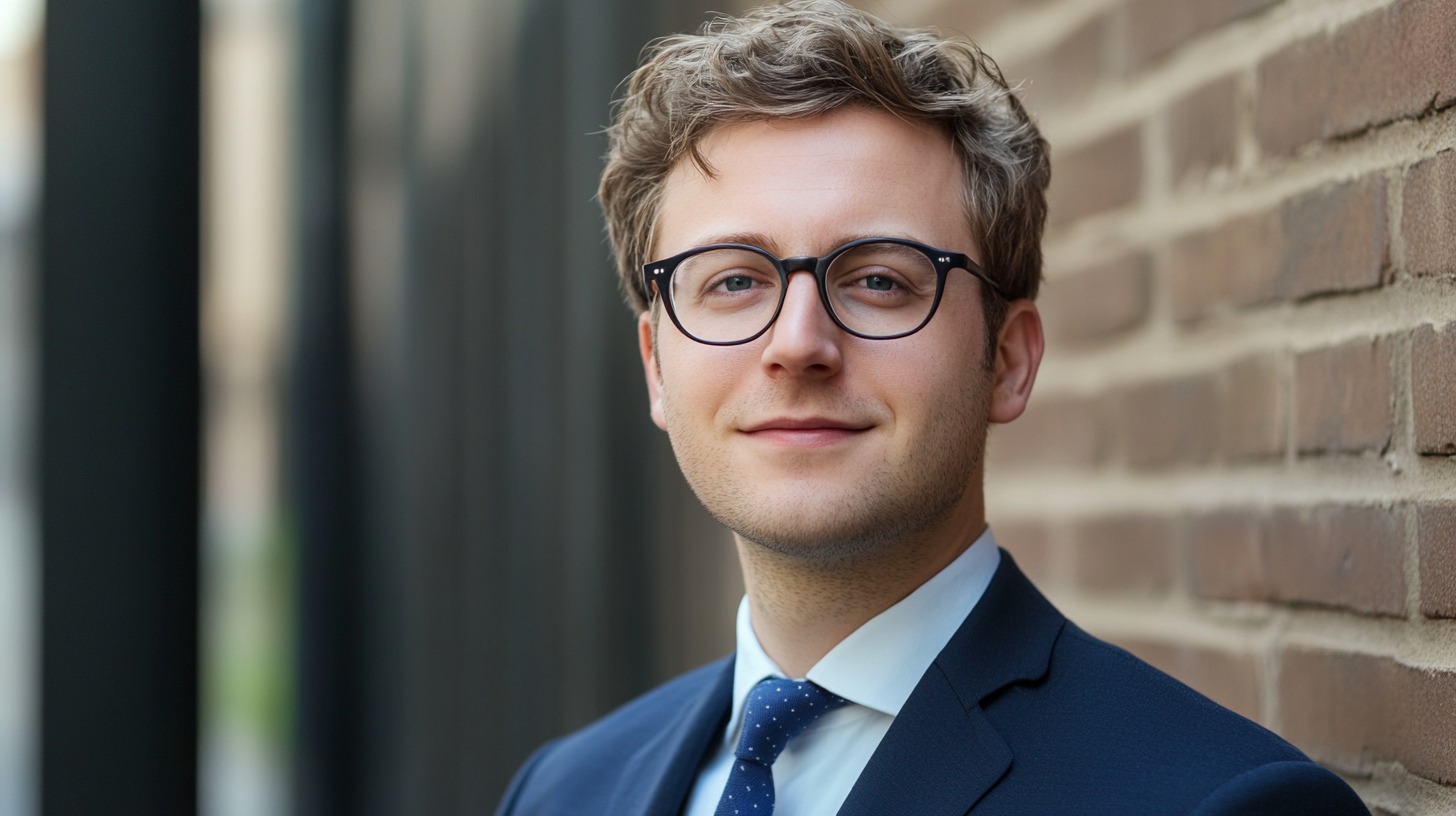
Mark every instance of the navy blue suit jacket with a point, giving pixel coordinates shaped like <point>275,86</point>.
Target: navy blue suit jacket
<point>1021,713</point>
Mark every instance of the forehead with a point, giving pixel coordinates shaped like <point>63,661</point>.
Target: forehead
<point>804,186</point>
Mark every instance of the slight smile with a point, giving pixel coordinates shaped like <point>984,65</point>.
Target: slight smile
<point>807,432</point>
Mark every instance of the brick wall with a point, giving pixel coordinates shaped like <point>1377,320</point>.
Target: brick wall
<point>1239,461</point>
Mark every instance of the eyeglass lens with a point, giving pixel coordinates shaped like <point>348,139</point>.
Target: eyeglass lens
<point>730,294</point>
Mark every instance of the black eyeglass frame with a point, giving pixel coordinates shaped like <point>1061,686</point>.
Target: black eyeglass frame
<point>657,274</point>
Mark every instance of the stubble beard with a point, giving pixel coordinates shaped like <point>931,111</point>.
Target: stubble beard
<point>893,506</point>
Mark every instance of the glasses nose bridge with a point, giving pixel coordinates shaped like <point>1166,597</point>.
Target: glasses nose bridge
<point>804,263</point>
<point>812,265</point>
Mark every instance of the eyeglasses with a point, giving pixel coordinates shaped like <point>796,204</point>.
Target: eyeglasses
<point>875,288</point>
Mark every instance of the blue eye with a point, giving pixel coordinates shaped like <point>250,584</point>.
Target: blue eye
<point>879,283</point>
<point>738,283</point>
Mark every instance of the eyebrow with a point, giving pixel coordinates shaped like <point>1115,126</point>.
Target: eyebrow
<point>763,241</point>
<point>757,239</point>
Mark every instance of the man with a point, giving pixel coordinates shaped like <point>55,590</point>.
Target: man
<point>830,230</point>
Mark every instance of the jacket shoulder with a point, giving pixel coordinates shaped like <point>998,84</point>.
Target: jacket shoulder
<point>1118,731</point>
<point>1120,682</point>
<point>1283,789</point>
<point>577,772</point>
<point>642,716</point>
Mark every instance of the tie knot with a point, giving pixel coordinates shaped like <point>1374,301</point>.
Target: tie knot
<point>777,711</point>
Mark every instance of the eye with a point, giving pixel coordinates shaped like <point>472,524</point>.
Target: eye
<point>737,283</point>
<point>876,278</point>
<point>878,283</point>
<point>723,273</point>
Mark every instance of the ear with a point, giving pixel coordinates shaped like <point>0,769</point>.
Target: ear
<point>645,342</point>
<point>1018,356</point>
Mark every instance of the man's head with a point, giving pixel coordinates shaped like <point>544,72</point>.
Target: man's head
<point>805,58</point>
<point>852,425</point>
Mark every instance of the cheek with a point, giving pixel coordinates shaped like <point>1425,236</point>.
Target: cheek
<point>932,372</point>
<point>694,383</point>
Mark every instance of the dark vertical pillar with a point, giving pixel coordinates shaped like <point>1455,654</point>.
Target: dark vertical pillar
<point>321,449</point>
<point>119,407</point>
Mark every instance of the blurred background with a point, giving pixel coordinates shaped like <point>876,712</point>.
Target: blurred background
<point>326,484</point>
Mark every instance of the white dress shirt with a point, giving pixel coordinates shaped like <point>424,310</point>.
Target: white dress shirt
<point>875,668</point>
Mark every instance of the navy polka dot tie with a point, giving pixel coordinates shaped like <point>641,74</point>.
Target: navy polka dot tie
<point>777,711</point>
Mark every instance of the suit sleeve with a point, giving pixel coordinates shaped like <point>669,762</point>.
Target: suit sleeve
<point>1283,789</point>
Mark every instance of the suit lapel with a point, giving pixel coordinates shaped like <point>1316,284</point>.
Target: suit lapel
<point>937,758</point>
<point>942,753</point>
<point>660,774</point>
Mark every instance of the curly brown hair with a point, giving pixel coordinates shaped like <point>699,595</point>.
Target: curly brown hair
<point>805,58</point>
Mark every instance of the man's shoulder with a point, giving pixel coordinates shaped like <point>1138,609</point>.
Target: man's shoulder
<point>1110,682</point>
<point>1039,667</point>
<point>1118,730</point>
<point>579,772</point>
<point>646,714</point>
<point>1083,721</point>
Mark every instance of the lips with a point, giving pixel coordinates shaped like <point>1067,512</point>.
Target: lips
<point>804,432</point>
<point>806,424</point>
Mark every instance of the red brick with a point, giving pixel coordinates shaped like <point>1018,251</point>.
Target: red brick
<point>1170,422</point>
<point>1031,544</point>
<point>1066,72</point>
<point>1352,711</point>
<point>1394,62</point>
<point>1336,239</point>
<point>1252,420</point>
<point>1057,431</point>
<point>1201,129</point>
<point>1225,556</point>
<point>1433,389</point>
<point>1292,96</point>
<point>1428,216</point>
<point>1391,63</point>
<point>1342,397</point>
<point>1124,553</point>
<point>1429,721</point>
<point>1237,262</point>
<point>1156,27</point>
<point>1338,556</point>
<point>1097,302</point>
<point>1104,175</point>
<point>1229,679</point>
<point>1436,530</point>
<point>1338,707</point>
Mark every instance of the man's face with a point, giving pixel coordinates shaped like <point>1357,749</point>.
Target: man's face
<point>808,440</point>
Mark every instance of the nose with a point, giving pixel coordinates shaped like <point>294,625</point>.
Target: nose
<point>804,340</point>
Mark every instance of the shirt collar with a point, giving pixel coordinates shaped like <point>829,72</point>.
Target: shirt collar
<point>881,662</point>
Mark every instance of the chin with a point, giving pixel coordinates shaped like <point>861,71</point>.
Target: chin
<point>853,512</point>
<point>832,537</point>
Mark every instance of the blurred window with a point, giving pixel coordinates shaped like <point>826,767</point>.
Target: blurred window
<point>246,599</point>
<point>19,174</point>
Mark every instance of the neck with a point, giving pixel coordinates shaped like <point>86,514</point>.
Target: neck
<point>802,607</point>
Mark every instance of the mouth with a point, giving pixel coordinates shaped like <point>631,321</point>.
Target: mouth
<point>805,432</point>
